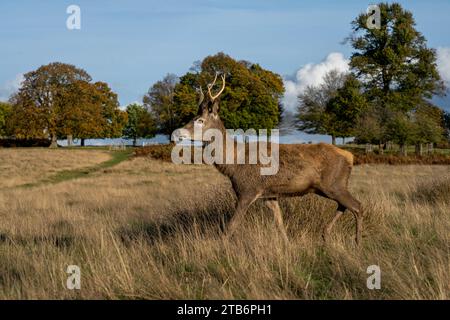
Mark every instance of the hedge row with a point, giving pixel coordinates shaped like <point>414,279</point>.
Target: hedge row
<point>19,143</point>
<point>163,152</point>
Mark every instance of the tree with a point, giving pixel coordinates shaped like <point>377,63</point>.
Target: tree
<point>140,123</point>
<point>92,111</point>
<point>428,121</point>
<point>333,107</point>
<point>344,109</point>
<point>446,124</point>
<point>113,119</point>
<point>400,129</point>
<point>251,98</point>
<point>5,111</point>
<point>160,101</point>
<point>59,100</point>
<point>369,128</point>
<point>26,120</point>
<point>313,103</point>
<point>398,70</point>
<point>82,115</point>
<point>39,104</point>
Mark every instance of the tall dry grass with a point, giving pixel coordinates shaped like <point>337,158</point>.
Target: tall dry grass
<point>148,229</point>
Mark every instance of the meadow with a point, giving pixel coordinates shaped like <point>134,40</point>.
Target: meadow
<point>141,228</point>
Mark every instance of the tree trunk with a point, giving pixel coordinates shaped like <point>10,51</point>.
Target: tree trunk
<point>134,141</point>
<point>430,148</point>
<point>403,150</point>
<point>389,146</point>
<point>69,140</point>
<point>333,140</point>
<point>82,142</point>
<point>380,148</point>
<point>419,149</point>
<point>54,143</point>
<point>368,148</point>
<point>343,140</point>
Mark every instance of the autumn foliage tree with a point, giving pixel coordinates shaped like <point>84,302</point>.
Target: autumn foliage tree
<point>5,112</point>
<point>39,106</point>
<point>251,98</point>
<point>92,111</point>
<point>58,100</point>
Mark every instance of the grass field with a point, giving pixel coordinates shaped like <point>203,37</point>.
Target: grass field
<point>143,228</point>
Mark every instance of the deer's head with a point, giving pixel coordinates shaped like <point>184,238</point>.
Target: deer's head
<point>207,117</point>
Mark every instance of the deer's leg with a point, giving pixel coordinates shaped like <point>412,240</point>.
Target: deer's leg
<point>355,207</point>
<point>278,217</point>
<point>244,201</point>
<point>345,199</point>
<point>329,226</point>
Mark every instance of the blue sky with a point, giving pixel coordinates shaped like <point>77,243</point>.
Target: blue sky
<point>131,44</point>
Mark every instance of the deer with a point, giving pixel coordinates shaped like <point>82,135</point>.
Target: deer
<point>322,169</point>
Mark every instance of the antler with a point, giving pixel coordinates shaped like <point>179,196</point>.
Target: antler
<point>212,84</point>
<point>202,96</point>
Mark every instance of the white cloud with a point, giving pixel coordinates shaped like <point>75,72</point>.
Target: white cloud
<point>443,63</point>
<point>312,75</point>
<point>10,87</point>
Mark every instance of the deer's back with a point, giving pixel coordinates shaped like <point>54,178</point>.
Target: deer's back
<point>301,169</point>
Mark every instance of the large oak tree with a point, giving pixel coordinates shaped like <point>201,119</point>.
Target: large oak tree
<point>58,100</point>
<point>397,68</point>
<point>42,98</point>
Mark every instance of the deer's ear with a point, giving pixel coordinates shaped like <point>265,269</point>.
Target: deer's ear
<point>215,107</point>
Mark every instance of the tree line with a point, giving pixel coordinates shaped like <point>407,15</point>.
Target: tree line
<point>60,101</point>
<point>385,98</point>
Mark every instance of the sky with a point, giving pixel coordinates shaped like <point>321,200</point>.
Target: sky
<point>134,43</point>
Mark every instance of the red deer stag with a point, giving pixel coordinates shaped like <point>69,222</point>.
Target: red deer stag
<point>317,168</point>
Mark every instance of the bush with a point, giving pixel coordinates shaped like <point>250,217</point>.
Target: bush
<point>163,152</point>
<point>401,160</point>
<point>159,152</point>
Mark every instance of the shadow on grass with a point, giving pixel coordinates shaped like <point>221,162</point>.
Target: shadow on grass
<point>56,240</point>
<point>60,235</point>
<point>210,222</point>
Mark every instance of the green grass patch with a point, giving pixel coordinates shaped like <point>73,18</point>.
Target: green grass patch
<point>65,175</point>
